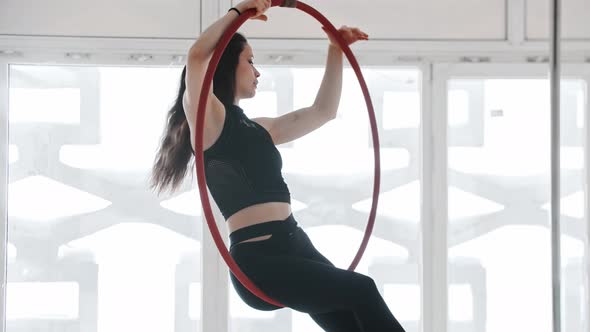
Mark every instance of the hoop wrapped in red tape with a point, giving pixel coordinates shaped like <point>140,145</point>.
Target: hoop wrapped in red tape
<point>200,168</point>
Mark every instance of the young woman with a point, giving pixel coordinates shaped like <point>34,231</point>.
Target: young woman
<point>243,172</point>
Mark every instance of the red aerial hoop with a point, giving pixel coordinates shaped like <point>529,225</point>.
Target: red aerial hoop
<point>231,30</point>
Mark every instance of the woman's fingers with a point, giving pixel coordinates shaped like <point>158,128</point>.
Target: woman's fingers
<point>261,7</point>
<point>358,34</point>
<point>348,34</point>
<point>361,35</point>
<point>261,18</point>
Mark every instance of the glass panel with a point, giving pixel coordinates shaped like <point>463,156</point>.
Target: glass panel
<point>57,301</point>
<point>83,255</point>
<point>499,235</point>
<point>12,154</point>
<point>333,192</point>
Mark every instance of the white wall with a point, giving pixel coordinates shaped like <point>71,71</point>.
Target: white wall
<point>575,19</point>
<point>443,30</point>
<point>384,19</point>
<point>139,19</point>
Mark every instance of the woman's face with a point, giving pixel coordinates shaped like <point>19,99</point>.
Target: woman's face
<point>246,75</point>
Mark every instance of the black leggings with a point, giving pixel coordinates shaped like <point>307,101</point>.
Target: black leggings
<point>290,270</point>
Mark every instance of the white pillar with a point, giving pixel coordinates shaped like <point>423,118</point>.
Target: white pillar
<point>434,202</point>
<point>3,191</point>
<point>214,279</point>
<point>516,22</point>
<point>587,200</point>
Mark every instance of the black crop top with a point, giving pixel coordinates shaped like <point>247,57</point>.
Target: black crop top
<point>243,167</point>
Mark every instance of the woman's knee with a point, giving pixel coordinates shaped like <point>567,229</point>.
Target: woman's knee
<point>364,283</point>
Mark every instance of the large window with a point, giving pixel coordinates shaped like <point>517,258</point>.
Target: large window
<point>91,247</point>
<point>499,193</point>
<point>330,173</point>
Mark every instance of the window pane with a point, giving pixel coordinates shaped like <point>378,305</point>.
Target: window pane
<point>332,171</point>
<point>92,248</point>
<point>499,193</point>
<point>44,105</point>
<point>403,109</point>
<point>56,301</point>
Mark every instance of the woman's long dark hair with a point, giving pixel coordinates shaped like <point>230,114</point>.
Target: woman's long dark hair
<point>175,151</point>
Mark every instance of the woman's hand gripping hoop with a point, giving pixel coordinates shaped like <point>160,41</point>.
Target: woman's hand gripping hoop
<point>200,128</point>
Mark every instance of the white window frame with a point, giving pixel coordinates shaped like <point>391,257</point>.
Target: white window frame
<point>442,73</point>
<point>3,191</point>
<point>434,207</point>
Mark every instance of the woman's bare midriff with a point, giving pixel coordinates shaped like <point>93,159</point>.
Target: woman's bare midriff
<point>257,214</point>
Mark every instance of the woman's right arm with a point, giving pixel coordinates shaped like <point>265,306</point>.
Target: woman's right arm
<point>197,60</point>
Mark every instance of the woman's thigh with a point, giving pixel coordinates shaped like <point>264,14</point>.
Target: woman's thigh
<point>294,273</point>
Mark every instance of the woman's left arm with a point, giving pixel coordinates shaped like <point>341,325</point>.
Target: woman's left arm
<point>328,97</point>
<point>295,124</point>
